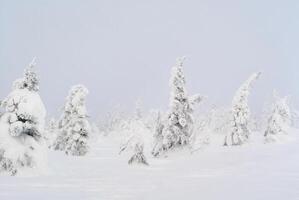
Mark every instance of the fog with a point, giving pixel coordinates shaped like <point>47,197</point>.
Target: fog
<point>124,50</point>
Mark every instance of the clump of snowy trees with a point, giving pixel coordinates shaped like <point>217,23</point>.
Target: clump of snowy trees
<point>22,125</point>
<point>177,128</point>
<point>73,127</point>
<point>279,120</point>
<point>240,114</point>
<point>23,136</point>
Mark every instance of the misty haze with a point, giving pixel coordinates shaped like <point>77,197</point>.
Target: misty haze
<point>149,100</point>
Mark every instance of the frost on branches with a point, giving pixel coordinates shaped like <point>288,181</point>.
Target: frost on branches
<point>73,127</point>
<point>136,145</point>
<point>239,133</point>
<point>279,121</point>
<point>178,126</point>
<point>22,126</point>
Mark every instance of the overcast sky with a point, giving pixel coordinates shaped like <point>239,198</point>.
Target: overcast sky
<point>124,50</point>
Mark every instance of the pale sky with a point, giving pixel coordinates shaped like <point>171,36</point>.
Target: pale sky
<point>124,50</point>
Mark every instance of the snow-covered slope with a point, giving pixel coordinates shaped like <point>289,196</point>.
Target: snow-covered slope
<point>255,171</point>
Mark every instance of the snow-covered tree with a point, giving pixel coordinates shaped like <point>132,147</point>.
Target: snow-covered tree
<point>178,128</point>
<point>279,120</point>
<point>30,80</point>
<point>136,145</point>
<point>73,127</point>
<point>22,126</point>
<point>138,156</point>
<point>240,114</point>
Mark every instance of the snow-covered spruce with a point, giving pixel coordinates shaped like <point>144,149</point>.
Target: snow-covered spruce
<point>73,127</point>
<point>178,127</point>
<point>279,120</point>
<point>22,126</point>
<point>240,114</point>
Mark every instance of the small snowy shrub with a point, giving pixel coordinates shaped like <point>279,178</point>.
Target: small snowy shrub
<point>134,141</point>
<point>240,114</point>
<point>279,120</point>
<point>73,127</point>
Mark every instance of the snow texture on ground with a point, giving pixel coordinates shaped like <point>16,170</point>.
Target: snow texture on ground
<point>256,171</point>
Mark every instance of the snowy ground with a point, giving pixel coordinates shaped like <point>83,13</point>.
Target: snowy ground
<point>251,172</point>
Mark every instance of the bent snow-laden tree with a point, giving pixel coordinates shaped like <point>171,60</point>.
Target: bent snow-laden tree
<point>178,125</point>
<point>73,127</point>
<point>240,114</point>
<point>279,121</point>
<point>22,126</point>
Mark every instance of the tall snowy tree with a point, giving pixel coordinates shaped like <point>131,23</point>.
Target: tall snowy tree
<point>279,120</point>
<point>178,127</point>
<point>22,125</point>
<point>74,127</point>
<point>240,114</point>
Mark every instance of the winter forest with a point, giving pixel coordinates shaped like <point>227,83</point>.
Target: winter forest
<point>177,140</point>
<point>141,138</point>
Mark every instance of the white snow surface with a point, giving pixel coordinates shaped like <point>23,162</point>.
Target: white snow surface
<point>254,171</point>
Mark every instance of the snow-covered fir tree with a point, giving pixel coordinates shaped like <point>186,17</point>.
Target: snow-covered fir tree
<point>178,127</point>
<point>279,121</point>
<point>240,114</point>
<point>73,127</point>
<point>22,126</point>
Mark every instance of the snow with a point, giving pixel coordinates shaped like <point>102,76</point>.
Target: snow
<point>252,171</point>
<point>73,127</point>
<point>20,140</point>
<point>116,157</point>
<point>240,114</point>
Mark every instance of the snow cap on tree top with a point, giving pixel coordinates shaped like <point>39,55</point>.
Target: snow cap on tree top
<point>79,89</point>
<point>76,99</point>
<point>253,77</point>
<point>180,61</point>
<point>30,79</point>
<point>177,80</point>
